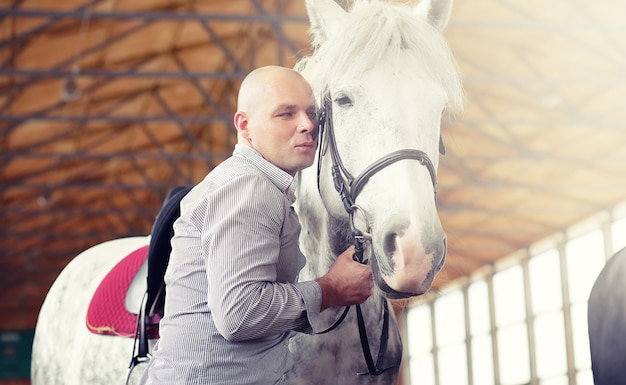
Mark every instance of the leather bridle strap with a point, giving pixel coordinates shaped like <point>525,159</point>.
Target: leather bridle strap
<point>349,188</point>
<point>337,322</point>
<point>360,181</point>
<point>372,368</point>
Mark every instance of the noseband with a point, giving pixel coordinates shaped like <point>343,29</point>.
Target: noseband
<point>349,188</point>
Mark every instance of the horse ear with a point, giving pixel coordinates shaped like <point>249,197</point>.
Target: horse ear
<point>324,16</point>
<point>437,12</point>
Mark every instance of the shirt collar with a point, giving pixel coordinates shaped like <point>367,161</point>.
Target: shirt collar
<point>281,179</point>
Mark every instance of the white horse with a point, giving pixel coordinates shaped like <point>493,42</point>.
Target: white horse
<point>383,76</point>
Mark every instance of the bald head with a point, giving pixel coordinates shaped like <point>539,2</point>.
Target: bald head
<point>262,83</point>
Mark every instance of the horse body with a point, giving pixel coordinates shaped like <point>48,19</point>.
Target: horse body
<point>607,323</point>
<point>65,352</point>
<point>366,61</point>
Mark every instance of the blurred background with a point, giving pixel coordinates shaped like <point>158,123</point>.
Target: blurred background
<point>105,105</point>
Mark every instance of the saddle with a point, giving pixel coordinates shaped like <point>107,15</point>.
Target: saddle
<point>159,251</point>
<point>107,313</point>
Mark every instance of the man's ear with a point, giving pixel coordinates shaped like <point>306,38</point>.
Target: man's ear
<point>241,124</point>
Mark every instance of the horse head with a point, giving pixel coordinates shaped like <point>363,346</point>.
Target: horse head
<point>383,77</point>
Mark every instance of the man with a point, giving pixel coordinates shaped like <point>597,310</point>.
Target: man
<point>232,297</point>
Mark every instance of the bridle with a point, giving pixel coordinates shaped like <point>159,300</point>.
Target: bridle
<point>349,188</point>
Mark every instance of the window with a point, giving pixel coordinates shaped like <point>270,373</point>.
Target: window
<point>618,232</point>
<point>482,353</point>
<point>580,336</point>
<point>550,345</point>
<point>545,282</point>
<point>478,298</point>
<point>450,319</point>
<point>480,333</point>
<point>585,260</point>
<point>549,326</point>
<point>560,380</point>
<point>584,378</point>
<point>513,355</point>
<point>508,290</point>
<point>450,331</point>
<point>419,330</point>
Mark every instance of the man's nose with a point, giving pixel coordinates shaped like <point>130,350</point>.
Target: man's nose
<point>306,122</point>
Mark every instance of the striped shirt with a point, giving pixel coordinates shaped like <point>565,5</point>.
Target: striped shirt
<point>232,294</point>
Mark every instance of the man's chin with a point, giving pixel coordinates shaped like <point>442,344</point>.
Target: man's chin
<point>304,163</point>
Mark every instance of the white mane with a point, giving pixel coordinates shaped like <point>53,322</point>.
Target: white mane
<point>375,34</point>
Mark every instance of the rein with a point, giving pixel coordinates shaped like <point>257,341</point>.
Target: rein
<point>349,188</point>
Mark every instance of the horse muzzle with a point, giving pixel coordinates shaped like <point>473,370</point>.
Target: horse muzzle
<point>414,264</point>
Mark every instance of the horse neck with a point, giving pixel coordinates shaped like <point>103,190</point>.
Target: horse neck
<point>322,238</point>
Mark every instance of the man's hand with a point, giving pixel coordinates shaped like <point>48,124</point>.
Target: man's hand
<point>347,282</point>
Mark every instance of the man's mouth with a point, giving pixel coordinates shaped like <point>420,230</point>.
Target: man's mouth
<point>307,145</point>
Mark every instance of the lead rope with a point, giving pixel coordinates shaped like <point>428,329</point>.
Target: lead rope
<point>373,369</point>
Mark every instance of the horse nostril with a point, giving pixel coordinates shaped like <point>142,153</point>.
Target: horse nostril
<point>389,244</point>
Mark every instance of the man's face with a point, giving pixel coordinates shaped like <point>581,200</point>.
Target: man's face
<point>282,126</point>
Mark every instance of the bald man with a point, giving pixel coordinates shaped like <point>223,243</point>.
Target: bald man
<point>233,299</point>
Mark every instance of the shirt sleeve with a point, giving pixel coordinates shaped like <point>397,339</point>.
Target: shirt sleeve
<point>241,239</point>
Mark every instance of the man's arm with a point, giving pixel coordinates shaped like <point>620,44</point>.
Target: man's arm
<point>241,239</point>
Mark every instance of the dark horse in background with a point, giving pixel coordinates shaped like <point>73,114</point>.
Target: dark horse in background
<point>607,323</point>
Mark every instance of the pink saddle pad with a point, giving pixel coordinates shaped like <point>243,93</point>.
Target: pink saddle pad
<point>107,313</point>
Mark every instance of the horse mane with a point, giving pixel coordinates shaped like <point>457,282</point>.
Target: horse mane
<point>379,35</point>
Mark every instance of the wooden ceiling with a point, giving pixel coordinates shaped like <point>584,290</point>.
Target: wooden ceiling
<point>106,105</point>
<point>540,145</point>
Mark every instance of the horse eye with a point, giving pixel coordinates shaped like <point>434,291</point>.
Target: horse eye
<point>344,101</point>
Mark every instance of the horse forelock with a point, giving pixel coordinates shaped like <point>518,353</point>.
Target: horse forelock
<point>375,35</point>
